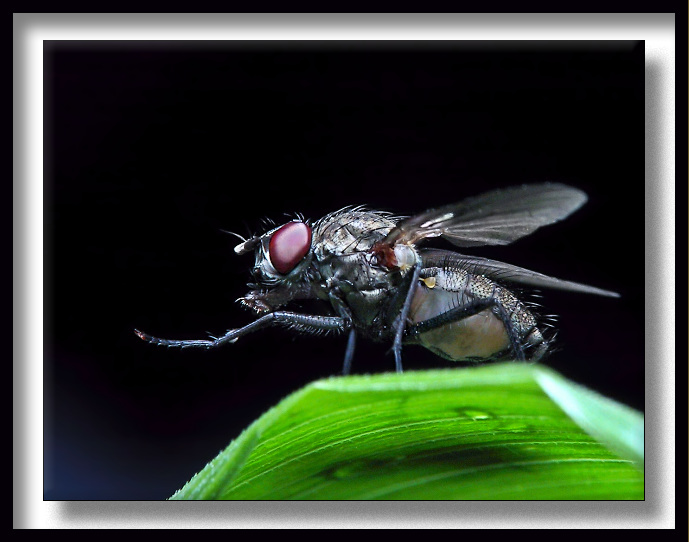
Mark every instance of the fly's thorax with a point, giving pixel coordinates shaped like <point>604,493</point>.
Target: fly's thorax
<point>350,231</point>
<point>368,289</point>
<point>350,268</point>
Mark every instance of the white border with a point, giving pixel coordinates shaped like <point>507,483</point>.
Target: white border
<point>30,31</point>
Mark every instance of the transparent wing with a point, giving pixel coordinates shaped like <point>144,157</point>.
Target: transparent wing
<point>501,271</point>
<point>494,218</point>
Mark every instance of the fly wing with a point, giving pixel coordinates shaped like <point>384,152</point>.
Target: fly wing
<point>501,271</point>
<point>494,218</point>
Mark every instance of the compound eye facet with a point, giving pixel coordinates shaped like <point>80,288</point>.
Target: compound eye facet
<point>289,245</point>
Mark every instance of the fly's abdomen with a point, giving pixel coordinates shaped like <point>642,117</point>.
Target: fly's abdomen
<point>523,323</point>
<point>461,316</point>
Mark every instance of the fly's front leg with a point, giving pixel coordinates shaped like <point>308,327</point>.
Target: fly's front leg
<point>465,311</point>
<point>300,322</point>
<point>346,315</point>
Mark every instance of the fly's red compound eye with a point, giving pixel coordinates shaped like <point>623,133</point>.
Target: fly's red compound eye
<point>289,245</point>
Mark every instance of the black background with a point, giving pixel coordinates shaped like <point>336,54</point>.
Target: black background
<point>152,149</point>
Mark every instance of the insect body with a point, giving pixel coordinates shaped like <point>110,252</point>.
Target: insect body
<point>367,266</point>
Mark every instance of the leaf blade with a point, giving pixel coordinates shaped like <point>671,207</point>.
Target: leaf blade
<point>490,432</point>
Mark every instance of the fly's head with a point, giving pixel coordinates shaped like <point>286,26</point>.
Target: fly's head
<point>282,257</point>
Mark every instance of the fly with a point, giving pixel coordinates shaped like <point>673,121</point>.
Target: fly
<point>367,266</point>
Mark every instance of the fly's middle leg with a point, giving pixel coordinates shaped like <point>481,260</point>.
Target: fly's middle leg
<point>401,321</point>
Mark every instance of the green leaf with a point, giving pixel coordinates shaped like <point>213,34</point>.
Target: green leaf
<point>504,431</point>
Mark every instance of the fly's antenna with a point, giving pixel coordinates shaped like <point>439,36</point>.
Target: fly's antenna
<point>240,237</point>
<point>246,245</point>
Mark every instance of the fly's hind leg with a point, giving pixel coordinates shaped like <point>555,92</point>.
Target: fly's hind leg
<point>465,311</point>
